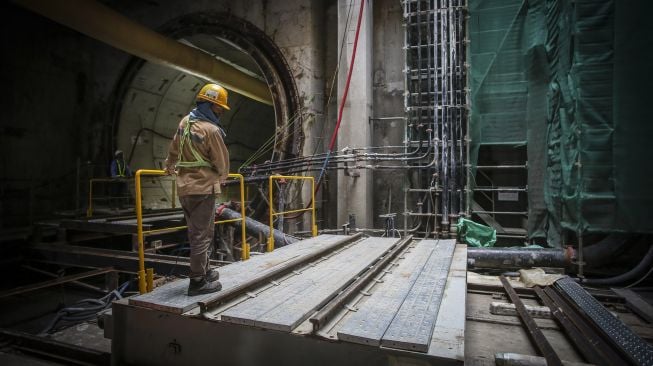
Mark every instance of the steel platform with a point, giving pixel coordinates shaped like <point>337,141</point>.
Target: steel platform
<point>411,310</point>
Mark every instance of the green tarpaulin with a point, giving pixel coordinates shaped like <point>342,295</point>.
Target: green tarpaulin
<point>475,234</point>
<point>571,80</point>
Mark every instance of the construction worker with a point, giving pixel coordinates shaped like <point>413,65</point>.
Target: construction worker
<point>119,168</point>
<point>199,158</point>
<point>118,190</point>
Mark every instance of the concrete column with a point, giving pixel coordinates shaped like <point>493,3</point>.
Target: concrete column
<point>298,28</point>
<point>355,186</point>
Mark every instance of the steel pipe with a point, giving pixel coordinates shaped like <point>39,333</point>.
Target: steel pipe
<point>507,258</point>
<point>105,24</point>
<point>254,228</point>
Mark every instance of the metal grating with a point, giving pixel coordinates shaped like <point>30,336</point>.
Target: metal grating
<point>412,326</point>
<point>639,352</point>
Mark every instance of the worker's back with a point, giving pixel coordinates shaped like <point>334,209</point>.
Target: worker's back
<point>206,140</point>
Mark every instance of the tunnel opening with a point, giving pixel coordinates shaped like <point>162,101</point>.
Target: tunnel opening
<point>151,99</point>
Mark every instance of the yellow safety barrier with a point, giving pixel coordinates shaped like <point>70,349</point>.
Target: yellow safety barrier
<point>273,214</point>
<point>145,281</point>
<point>89,210</point>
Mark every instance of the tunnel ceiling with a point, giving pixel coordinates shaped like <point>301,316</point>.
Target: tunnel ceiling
<point>158,97</point>
<point>225,51</point>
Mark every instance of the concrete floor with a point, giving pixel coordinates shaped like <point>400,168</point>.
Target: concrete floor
<point>87,335</point>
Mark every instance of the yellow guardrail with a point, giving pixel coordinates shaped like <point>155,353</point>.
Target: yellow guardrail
<point>89,210</point>
<point>145,281</point>
<point>273,214</point>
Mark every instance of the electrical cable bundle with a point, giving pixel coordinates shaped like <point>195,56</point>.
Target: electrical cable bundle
<point>83,310</point>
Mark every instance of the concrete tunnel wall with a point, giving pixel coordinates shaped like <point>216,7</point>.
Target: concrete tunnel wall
<point>78,81</point>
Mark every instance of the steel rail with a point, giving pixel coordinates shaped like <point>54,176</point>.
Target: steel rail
<point>582,343</point>
<point>231,293</point>
<point>599,344</point>
<point>534,332</point>
<point>326,313</point>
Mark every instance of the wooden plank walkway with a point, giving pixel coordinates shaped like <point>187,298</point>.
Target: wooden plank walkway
<point>368,324</point>
<point>448,339</point>
<point>412,326</point>
<point>173,298</point>
<point>285,306</point>
<point>402,311</point>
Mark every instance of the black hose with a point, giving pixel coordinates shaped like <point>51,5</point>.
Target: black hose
<point>639,270</point>
<point>80,311</point>
<point>606,250</point>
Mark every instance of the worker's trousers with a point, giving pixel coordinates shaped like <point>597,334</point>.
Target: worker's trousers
<point>199,210</point>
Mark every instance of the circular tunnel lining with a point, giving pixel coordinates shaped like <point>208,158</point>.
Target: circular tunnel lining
<point>152,98</point>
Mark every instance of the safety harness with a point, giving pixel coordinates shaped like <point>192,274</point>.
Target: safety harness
<point>186,139</point>
<point>121,169</point>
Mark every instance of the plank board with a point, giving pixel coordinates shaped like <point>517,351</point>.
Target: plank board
<point>448,339</point>
<point>368,324</point>
<point>636,303</point>
<point>285,306</point>
<point>412,326</point>
<point>173,298</point>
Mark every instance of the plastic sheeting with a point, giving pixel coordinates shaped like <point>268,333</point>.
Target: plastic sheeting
<point>475,234</point>
<point>569,80</point>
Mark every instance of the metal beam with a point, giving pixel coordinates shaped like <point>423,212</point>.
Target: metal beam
<point>536,335</point>
<point>53,275</point>
<point>56,281</point>
<point>120,260</point>
<point>636,303</point>
<point>104,24</point>
<point>579,340</point>
<point>599,345</point>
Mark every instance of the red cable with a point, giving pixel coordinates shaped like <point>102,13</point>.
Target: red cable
<point>351,69</point>
<point>344,99</point>
<point>332,143</point>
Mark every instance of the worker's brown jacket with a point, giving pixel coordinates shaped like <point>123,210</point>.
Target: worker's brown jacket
<point>207,140</point>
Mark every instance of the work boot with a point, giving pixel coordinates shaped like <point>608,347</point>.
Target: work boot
<point>212,275</point>
<point>202,286</point>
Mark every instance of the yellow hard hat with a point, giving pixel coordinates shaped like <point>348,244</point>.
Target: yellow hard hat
<point>215,94</point>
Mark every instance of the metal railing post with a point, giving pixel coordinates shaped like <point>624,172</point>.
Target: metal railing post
<point>89,210</point>
<point>142,287</point>
<point>272,213</point>
<point>174,193</point>
<point>271,234</point>
<point>142,281</point>
<point>314,223</point>
<point>244,253</point>
<point>145,277</point>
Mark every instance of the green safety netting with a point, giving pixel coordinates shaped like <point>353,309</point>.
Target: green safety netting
<point>475,234</point>
<point>571,81</point>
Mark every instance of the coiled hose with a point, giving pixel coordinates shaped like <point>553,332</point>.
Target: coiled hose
<point>84,309</point>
